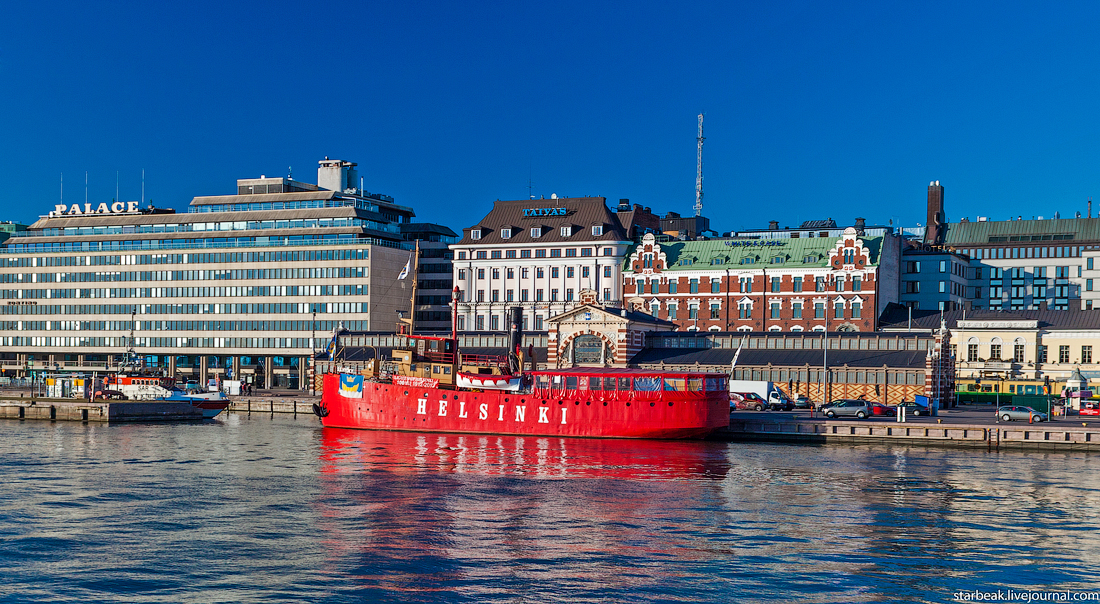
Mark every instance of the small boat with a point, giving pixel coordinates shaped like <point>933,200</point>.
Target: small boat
<point>211,403</point>
<point>484,381</point>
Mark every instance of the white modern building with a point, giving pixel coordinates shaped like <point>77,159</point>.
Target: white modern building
<point>244,286</point>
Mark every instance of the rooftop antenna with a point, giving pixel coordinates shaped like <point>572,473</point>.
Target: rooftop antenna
<point>62,188</point>
<point>530,183</point>
<point>85,188</point>
<point>1090,206</point>
<point>699,171</point>
<point>290,172</point>
<point>143,185</point>
<point>116,185</point>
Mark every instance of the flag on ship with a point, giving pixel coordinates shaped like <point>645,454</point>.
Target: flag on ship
<point>331,350</point>
<point>405,271</point>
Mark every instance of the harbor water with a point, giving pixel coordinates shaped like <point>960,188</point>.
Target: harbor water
<point>254,508</point>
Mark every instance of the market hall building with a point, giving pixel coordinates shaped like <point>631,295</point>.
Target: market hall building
<point>242,286</point>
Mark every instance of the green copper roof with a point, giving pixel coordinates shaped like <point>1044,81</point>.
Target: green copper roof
<point>1062,229</point>
<point>721,254</point>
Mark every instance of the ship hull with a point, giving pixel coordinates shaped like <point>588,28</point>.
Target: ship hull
<point>383,406</point>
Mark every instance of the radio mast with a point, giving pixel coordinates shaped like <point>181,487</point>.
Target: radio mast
<point>699,171</point>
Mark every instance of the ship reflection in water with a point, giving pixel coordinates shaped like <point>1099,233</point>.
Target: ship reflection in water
<point>418,513</point>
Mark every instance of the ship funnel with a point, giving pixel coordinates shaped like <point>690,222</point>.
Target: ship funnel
<point>515,328</point>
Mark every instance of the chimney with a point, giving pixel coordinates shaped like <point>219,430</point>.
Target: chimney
<point>773,225</point>
<point>861,225</point>
<point>1043,305</point>
<point>933,232</point>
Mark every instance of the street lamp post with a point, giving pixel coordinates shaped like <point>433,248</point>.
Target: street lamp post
<point>313,356</point>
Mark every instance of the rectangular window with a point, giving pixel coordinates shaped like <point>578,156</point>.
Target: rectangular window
<point>525,253</point>
<point>671,311</point>
<point>462,255</point>
<point>819,310</point>
<point>510,273</point>
<point>536,232</point>
<point>1063,354</point>
<point>971,353</point>
<point>496,273</point>
<point>569,272</point>
<point>510,254</point>
<point>994,352</point>
<point>838,284</point>
<point>672,286</point>
<point>1086,354</point>
<point>856,308</point>
<point>943,287</point>
<point>693,311</point>
<point>1040,354</point>
<point>481,255</point>
<point>1088,285</point>
<point>505,233</point>
<point>524,272</point>
<point>495,254</point>
<point>857,283</point>
<point>538,295</point>
<point>775,310</point>
<point>540,253</point>
<point>654,286</point>
<point>1018,353</point>
<point>554,295</point>
<point>584,271</point>
<point>494,322</point>
<point>607,272</point>
<point>838,308</point>
<point>571,252</point>
<point>508,297</point>
<point>597,230</point>
<point>540,273</point>
<point>744,310</point>
<point>566,231</point>
<point>715,310</point>
<point>461,274</point>
<point>715,286</point>
<point>555,253</point>
<point>569,295</point>
<point>538,322</point>
<point>523,295</point>
<point>776,281</point>
<point>943,266</point>
<point>796,310</point>
<point>480,295</point>
<point>496,295</point>
<point>606,293</point>
<point>798,284</point>
<point>554,272</point>
<point>1088,263</point>
<point>475,234</point>
<point>694,286</point>
<point>820,284</point>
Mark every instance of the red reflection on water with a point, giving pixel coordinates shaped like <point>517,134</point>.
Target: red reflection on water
<point>542,457</point>
<point>398,507</point>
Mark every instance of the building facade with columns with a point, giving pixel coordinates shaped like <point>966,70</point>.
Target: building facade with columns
<point>781,284</point>
<point>537,254</point>
<point>242,286</point>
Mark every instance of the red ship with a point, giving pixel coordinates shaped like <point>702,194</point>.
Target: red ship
<point>432,387</point>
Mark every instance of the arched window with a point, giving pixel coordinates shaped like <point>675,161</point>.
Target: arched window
<point>588,348</point>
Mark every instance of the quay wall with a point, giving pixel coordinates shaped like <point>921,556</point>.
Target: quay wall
<point>1046,436</point>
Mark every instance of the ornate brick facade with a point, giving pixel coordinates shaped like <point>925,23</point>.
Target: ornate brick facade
<point>808,284</point>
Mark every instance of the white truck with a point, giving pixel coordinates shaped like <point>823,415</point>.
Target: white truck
<point>772,395</point>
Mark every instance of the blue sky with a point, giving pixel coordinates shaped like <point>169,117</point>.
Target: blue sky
<point>813,109</point>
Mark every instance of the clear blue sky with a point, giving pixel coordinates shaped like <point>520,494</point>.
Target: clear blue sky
<point>813,109</point>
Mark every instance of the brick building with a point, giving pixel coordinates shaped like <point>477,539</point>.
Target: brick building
<point>810,284</point>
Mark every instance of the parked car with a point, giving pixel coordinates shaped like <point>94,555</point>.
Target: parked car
<point>1015,412</point>
<point>880,409</point>
<point>846,408</point>
<point>751,400</point>
<point>781,404</point>
<point>913,409</point>
<point>803,402</point>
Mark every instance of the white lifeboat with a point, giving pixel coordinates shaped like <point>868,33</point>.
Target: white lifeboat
<point>485,381</point>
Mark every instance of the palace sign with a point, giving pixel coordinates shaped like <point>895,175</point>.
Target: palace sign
<point>756,243</point>
<point>118,207</point>
<point>535,212</point>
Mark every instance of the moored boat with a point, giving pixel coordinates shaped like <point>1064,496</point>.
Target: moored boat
<point>431,386</point>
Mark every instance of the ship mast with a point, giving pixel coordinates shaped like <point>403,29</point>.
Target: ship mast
<point>412,301</point>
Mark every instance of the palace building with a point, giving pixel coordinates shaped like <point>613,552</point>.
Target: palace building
<point>244,286</point>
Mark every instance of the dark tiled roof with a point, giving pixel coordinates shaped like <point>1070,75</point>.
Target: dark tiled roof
<point>582,213</point>
<point>896,317</point>
<point>781,358</point>
<point>427,227</point>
